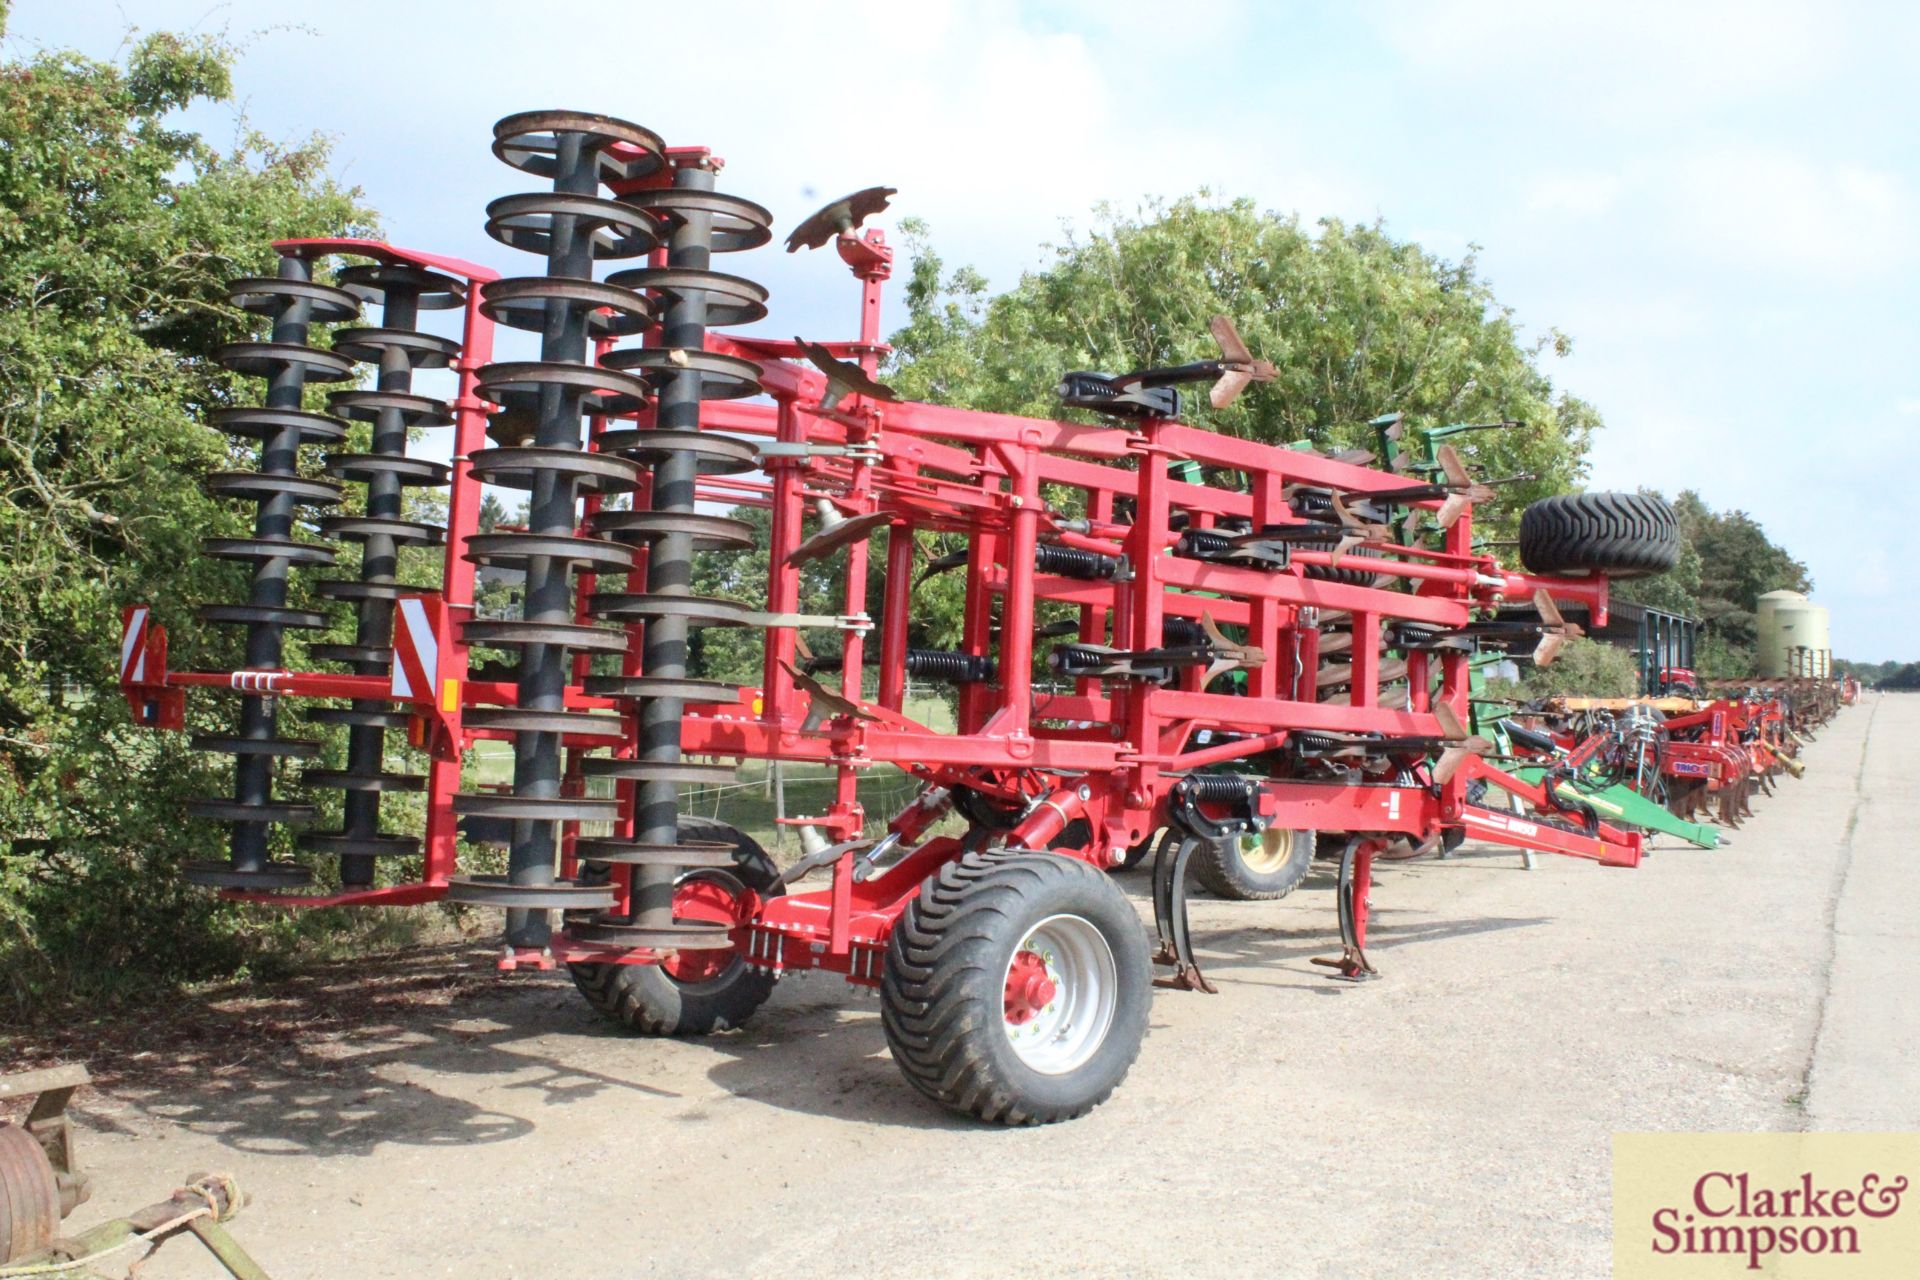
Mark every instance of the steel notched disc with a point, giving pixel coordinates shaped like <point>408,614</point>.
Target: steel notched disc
<point>839,218</point>
<point>375,282</point>
<point>681,935</point>
<point>694,853</point>
<point>221,875</point>
<point>530,142</point>
<point>497,891</point>
<point>736,223</point>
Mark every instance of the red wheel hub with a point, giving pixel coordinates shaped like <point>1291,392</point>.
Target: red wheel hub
<point>703,900</point>
<point>1029,989</point>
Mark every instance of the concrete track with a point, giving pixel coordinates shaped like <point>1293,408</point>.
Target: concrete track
<point>1452,1119</point>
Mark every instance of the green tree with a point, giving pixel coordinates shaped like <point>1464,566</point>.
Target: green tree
<point>1585,668</point>
<point>1358,324</point>
<point>118,233</point>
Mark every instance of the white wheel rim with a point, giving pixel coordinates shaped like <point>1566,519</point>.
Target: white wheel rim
<point>1065,1033</point>
<point>1268,852</point>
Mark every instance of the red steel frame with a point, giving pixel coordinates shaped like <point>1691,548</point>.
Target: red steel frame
<point>1108,753</point>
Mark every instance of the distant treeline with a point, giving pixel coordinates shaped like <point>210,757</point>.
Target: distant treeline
<point>1882,675</point>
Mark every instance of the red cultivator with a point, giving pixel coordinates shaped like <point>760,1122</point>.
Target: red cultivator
<point>1694,755</point>
<point>1280,653</point>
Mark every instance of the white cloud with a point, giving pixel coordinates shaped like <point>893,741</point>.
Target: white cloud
<point>1623,59</point>
<point>1766,209</point>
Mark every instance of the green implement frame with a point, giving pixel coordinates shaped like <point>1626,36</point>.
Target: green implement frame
<point>1621,803</point>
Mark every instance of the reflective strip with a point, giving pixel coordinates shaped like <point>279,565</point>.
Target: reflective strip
<point>133,648</point>
<point>416,653</point>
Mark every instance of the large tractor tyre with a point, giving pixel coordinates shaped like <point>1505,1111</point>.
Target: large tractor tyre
<point>1255,866</point>
<point>1017,988</point>
<point>693,993</point>
<point>1625,535</point>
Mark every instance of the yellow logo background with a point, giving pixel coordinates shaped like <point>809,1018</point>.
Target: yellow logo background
<point>1656,1177</point>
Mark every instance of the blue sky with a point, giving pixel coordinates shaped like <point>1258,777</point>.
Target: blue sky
<point>1716,200</point>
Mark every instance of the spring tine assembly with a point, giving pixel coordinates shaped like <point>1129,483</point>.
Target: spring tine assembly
<point>573,226</point>
<point>1354,884</point>
<point>396,348</point>
<point>1175,851</point>
<point>293,302</point>
<point>690,296</point>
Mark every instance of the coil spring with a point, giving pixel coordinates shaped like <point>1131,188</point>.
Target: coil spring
<point>391,409</point>
<point>955,668</point>
<point>1181,633</point>
<point>1202,544</point>
<point>1074,562</point>
<point>1229,791</point>
<point>1218,788</point>
<point>1073,659</point>
<point>292,302</point>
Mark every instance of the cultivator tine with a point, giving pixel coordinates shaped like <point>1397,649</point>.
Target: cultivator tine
<point>1228,388</point>
<point>1170,915</point>
<point>819,855</point>
<point>1228,655</point>
<point>1555,632</point>
<point>1463,492</point>
<point>836,531</point>
<point>1354,529</point>
<point>1351,890</point>
<point>1238,364</point>
<point>823,703</point>
<point>844,378</point>
<point>1461,744</point>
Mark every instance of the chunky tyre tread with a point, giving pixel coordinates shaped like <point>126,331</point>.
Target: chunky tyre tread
<point>644,999</point>
<point>1623,534</point>
<point>946,946</point>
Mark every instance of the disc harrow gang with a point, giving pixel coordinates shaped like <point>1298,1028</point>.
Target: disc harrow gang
<point>292,303</point>
<point>1169,639</point>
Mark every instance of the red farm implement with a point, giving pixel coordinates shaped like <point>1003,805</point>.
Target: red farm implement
<point>1144,657</point>
<point>1706,754</point>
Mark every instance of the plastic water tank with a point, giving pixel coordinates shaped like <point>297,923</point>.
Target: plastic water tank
<point>1787,620</point>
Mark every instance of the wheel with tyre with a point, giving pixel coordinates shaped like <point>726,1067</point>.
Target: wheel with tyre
<point>1624,535</point>
<point>693,993</point>
<point>1016,988</point>
<point>1254,866</point>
